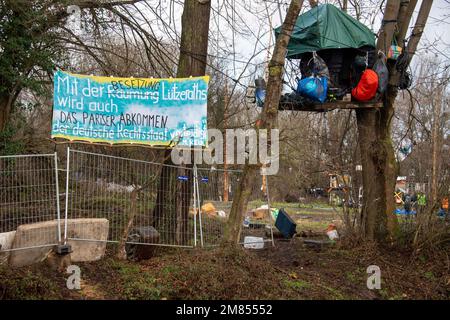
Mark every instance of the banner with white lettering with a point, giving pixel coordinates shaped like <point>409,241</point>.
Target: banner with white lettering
<point>165,112</point>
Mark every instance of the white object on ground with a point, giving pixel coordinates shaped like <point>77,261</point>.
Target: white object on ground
<point>115,187</point>
<point>246,222</point>
<point>253,243</point>
<point>333,234</point>
<point>221,214</point>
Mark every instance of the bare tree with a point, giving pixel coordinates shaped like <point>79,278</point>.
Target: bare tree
<point>269,121</point>
<point>374,127</point>
<point>192,62</point>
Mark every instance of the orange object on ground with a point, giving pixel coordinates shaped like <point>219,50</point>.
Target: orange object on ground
<point>209,208</point>
<point>260,213</point>
<point>445,203</point>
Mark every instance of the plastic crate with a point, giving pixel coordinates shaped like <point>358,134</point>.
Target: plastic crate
<point>285,224</point>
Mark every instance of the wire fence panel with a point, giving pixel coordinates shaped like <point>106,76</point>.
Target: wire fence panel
<point>144,202</point>
<point>132,195</point>
<point>217,188</point>
<point>215,199</point>
<point>29,194</point>
<point>259,220</point>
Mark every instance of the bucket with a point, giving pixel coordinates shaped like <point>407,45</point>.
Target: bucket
<point>253,242</point>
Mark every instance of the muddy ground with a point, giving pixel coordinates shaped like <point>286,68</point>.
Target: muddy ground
<point>287,271</point>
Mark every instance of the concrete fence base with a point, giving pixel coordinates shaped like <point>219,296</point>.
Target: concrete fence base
<point>32,243</point>
<point>6,243</point>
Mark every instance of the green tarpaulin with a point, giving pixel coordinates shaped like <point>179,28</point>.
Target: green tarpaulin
<point>327,27</point>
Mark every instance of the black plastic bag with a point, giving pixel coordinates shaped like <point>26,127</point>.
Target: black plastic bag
<point>359,65</point>
<point>405,80</point>
<point>402,64</point>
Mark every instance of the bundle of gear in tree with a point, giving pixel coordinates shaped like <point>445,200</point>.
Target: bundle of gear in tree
<point>402,63</point>
<point>315,86</point>
<point>383,73</point>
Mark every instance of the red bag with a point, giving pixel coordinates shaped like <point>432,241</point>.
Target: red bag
<point>367,86</point>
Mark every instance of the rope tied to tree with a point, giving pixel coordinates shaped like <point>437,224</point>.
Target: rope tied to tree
<point>385,22</point>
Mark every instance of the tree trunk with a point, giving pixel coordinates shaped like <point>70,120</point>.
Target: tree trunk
<point>5,111</point>
<point>379,171</point>
<point>3,115</point>
<point>225,125</point>
<point>121,251</point>
<point>174,206</point>
<point>419,26</point>
<point>377,153</point>
<point>404,18</point>
<point>269,121</point>
<point>374,128</point>
<point>435,147</point>
<point>239,206</point>
<point>184,196</point>
<point>165,206</point>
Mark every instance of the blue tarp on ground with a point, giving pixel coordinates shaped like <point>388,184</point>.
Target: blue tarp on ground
<point>403,211</point>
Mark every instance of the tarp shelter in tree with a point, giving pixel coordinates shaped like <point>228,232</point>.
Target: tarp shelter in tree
<point>327,27</point>
<point>338,39</point>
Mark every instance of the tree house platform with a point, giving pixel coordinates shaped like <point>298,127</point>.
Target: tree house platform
<point>329,106</point>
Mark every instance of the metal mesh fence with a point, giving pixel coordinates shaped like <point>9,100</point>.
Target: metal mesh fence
<point>183,206</point>
<point>29,194</point>
<point>216,198</point>
<point>132,194</point>
<point>258,220</point>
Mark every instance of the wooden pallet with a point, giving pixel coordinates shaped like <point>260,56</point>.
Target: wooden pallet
<point>328,106</point>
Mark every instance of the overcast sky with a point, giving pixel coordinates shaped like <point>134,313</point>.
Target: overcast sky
<point>438,28</point>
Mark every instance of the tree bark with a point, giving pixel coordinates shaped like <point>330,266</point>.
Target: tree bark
<point>435,146</point>
<point>313,3</point>
<point>268,121</point>
<point>121,251</point>
<point>419,26</point>
<point>6,102</point>
<point>4,113</point>
<point>232,231</point>
<point>378,220</point>
<point>404,18</point>
<point>194,38</point>
<point>192,62</point>
<point>377,154</point>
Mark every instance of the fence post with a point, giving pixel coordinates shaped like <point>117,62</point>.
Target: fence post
<point>67,194</point>
<point>58,207</point>
<point>270,211</point>
<point>195,209</point>
<point>198,204</point>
